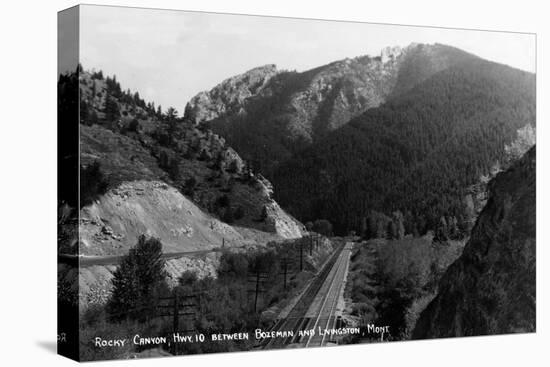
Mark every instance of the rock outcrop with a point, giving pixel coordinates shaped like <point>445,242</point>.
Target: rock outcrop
<point>221,188</point>
<point>113,223</point>
<point>340,91</point>
<point>267,115</point>
<point>140,146</point>
<point>477,194</point>
<point>229,96</point>
<point>321,99</point>
<point>491,288</point>
<point>526,138</point>
<point>147,172</point>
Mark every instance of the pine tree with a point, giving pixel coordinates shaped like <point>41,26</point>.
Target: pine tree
<point>94,89</point>
<point>174,169</point>
<point>323,227</point>
<point>372,227</point>
<point>138,281</point>
<point>93,118</point>
<point>84,111</point>
<point>398,220</point>
<point>442,231</point>
<point>363,229</point>
<point>171,113</point>
<point>391,232</point>
<point>112,112</point>
<point>136,98</point>
<point>159,112</point>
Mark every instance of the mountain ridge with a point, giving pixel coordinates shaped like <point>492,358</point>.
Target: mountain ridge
<point>229,95</point>
<point>435,141</point>
<point>294,114</point>
<point>294,109</point>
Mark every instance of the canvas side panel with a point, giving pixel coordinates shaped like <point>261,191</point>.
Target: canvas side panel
<point>68,182</point>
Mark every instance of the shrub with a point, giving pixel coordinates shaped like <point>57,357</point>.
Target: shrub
<point>223,201</point>
<point>92,183</point>
<point>133,126</point>
<point>187,278</point>
<point>228,216</point>
<point>239,213</point>
<point>323,227</point>
<point>232,265</point>
<point>174,169</point>
<point>190,185</point>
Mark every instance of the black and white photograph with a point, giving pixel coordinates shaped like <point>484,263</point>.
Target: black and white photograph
<point>225,186</point>
<point>268,184</point>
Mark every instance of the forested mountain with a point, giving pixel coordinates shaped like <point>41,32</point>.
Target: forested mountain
<point>491,288</point>
<point>416,153</point>
<point>269,115</point>
<point>145,171</point>
<point>406,134</point>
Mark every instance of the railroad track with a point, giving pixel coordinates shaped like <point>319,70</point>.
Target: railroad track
<point>325,316</point>
<point>317,305</point>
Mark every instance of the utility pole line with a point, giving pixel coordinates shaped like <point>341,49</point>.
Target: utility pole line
<point>257,290</point>
<point>180,306</point>
<point>175,321</point>
<point>285,272</point>
<point>286,265</point>
<point>258,278</point>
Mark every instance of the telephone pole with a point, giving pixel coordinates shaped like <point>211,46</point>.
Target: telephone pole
<point>258,279</point>
<point>285,264</point>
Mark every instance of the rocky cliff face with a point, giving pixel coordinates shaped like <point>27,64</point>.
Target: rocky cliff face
<point>229,96</point>
<point>340,91</point>
<point>267,115</point>
<point>324,98</point>
<point>491,288</point>
<point>477,194</point>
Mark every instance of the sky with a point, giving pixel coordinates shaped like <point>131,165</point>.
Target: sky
<point>169,56</point>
